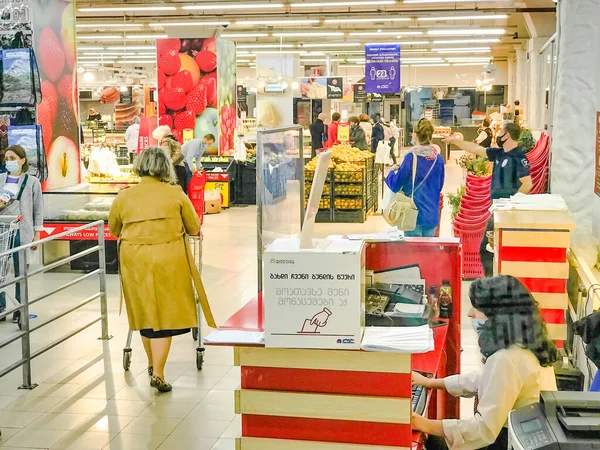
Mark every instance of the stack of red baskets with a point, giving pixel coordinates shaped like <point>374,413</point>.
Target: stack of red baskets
<point>470,223</point>
<point>539,161</point>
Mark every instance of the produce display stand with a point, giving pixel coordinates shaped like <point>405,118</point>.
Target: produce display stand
<point>532,246</point>
<point>305,399</point>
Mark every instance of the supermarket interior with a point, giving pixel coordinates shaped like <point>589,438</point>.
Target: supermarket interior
<point>298,225</point>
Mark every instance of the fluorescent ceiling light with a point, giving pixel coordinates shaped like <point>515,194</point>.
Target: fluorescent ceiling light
<point>406,60</point>
<point>334,4</point>
<point>277,22</point>
<point>308,34</point>
<point>99,36</point>
<point>468,41</point>
<point>251,46</point>
<point>475,17</point>
<point>447,1</point>
<point>460,49</point>
<point>467,32</point>
<point>470,64</point>
<point>455,52</point>
<point>402,43</point>
<point>430,65</point>
<point>97,56</point>
<point>244,35</point>
<point>386,33</point>
<point>243,60</point>
<point>279,52</point>
<point>132,47</point>
<point>241,5</point>
<point>100,61</point>
<point>347,66</point>
<point>478,60</point>
<point>189,24</point>
<point>312,60</point>
<point>128,8</point>
<point>141,61</point>
<point>109,25</point>
<point>89,48</point>
<point>334,45</point>
<point>414,50</point>
<point>147,36</point>
<point>370,20</point>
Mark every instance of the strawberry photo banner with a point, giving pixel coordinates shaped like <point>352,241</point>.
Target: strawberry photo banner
<point>196,89</point>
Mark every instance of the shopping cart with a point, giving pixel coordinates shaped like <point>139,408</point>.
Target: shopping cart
<point>196,248</point>
<point>9,225</point>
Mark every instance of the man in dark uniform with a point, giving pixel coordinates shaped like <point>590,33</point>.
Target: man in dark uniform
<point>510,175</point>
<point>317,131</point>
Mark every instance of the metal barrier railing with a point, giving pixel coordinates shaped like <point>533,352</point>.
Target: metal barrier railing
<point>23,278</point>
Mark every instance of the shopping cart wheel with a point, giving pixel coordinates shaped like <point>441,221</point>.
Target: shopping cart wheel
<point>195,333</point>
<point>126,359</point>
<point>199,358</point>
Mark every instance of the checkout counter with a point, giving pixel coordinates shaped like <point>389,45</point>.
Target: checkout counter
<point>332,396</point>
<point>560,421</point>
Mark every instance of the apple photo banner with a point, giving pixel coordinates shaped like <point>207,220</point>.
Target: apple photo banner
<point>382,70</point>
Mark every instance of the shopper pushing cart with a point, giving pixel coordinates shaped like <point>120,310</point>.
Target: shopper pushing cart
<point>159,275</point>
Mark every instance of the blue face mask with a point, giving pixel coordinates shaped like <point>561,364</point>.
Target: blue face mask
<point>12,166</point>
<point>477,324</point>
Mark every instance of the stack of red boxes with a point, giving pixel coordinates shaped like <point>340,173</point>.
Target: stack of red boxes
<point>470,223</point>
<point>539,161</point>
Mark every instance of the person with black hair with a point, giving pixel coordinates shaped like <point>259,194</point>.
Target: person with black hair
<point>332,130</point>
<point>378,133</point>
<point>517,355</point>
<point>484,138</point>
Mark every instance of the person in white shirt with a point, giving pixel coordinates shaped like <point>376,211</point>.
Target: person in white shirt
<point>132,134</point>
<point>517,354</point>
<point>194,149</point>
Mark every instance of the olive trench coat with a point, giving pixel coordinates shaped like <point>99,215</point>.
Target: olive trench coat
<point>158,274</point>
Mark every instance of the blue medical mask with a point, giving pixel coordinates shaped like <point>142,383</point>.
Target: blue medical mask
<point>12,166</point>
<point>477,324</point>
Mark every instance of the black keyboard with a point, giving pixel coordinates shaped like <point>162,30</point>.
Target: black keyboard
<point>419,399</point>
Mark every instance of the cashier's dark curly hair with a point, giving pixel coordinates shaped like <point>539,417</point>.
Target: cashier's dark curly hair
<point>513,318</point>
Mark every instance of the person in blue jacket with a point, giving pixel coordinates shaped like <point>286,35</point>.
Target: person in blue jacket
<point>429,180</point>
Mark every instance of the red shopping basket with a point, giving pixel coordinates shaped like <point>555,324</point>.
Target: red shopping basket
<point>470,233</point>
<point>196,192</point>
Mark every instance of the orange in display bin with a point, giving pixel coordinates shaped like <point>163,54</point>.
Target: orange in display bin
<point>219,181</point>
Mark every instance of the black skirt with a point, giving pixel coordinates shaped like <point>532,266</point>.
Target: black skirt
<point>182,178</point>
<point>149,333</point>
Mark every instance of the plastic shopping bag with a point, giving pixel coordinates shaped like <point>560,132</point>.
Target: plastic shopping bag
<point>239,150</point>
<point>382,156</point>
<point>388,197</point>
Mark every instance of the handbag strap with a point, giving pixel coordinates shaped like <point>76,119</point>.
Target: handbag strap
<point>22,188</point>
<point>426,176</point>
<point>414,175</point>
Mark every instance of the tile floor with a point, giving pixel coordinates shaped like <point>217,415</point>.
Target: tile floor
<point>84,399</point>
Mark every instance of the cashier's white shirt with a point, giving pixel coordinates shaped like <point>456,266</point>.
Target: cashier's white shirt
<point>510,378</point>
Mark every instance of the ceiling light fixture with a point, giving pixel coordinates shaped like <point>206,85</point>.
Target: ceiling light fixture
<point>99,36</point>
<point>470,64</point>
<point>460,49</point>
<point>370,20</point>
<point>465,60</point>
<point>89,48</point>
<point>141,61</point>
<point>109,25</point>
<point>335,45</point>
<point>386,33</point>
<point>430,65</point>
<point>402,43</point>
<point>189,24</point>
<point>467,41</point>
<point>475,17</point>
<point>99,61</point>
<point>244,35</point>
<point>350,3</point>
<point>128,8</point>
<point>279,52</point>
<point>277,22</point>
<point>456,52</point>
<point>234,6</point>
<point>131,47</point>
<point>467,32</point>
<point>252,46</point>
<point>308,34</point>
<point>147,36</point>
<point>407,60</point>
<point>447,1</point>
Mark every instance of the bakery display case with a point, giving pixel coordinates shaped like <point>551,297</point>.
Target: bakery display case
<point>69,208</point>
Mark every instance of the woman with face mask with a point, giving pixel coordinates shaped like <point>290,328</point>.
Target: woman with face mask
<point>357,134</point>
<point>518,357</point>
<point>20,195</point>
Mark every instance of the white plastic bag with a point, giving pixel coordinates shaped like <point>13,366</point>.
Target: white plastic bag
<point>382,156</point>
<point>388,197</point>
<point>239,150</point>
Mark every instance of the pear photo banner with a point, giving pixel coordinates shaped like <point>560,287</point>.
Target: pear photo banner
<point>382,71</point>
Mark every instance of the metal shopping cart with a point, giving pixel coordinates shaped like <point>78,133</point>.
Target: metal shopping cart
<point>9,226</point>
<point>196,248</point>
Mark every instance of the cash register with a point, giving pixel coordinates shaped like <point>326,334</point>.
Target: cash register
<point>559,421</point>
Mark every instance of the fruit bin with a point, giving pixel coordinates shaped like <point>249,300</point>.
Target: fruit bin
<point>346,216</point>
<point>349,203</point>
<point>352,189</point>
<point>349,176</point>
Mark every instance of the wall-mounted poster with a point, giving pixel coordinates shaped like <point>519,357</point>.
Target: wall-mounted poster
<point>382,70</point>
<point>197,88</point>
<point>314,88</point>
<point>335,88</point>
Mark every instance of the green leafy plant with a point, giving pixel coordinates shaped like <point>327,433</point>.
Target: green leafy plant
<point>477,166</point>
<point>526,141</point>
<point>454,201</point>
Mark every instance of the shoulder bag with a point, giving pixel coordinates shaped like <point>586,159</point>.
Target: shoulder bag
<point>403,211</point>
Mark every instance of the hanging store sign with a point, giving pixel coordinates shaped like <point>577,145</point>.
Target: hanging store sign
<point>382,71</point>
<point>360,94</point>
<point>335,88</point>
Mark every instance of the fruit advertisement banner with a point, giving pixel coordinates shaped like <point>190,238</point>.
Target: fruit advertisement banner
<point>196,88</point>
<point>55,49</point>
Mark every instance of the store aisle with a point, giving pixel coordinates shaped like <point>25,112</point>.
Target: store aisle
<point>86,401</point>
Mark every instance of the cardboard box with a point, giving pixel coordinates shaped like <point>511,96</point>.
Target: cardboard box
<point>212,206</point>
<point>314,298</point>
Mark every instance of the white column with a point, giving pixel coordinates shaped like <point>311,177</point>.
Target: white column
<point>534,103</point>
<point>576,101</point>
<point>522,69</point>
<point>512,78</point>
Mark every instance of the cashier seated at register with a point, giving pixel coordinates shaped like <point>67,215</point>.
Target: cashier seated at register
<point>517,355</point>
